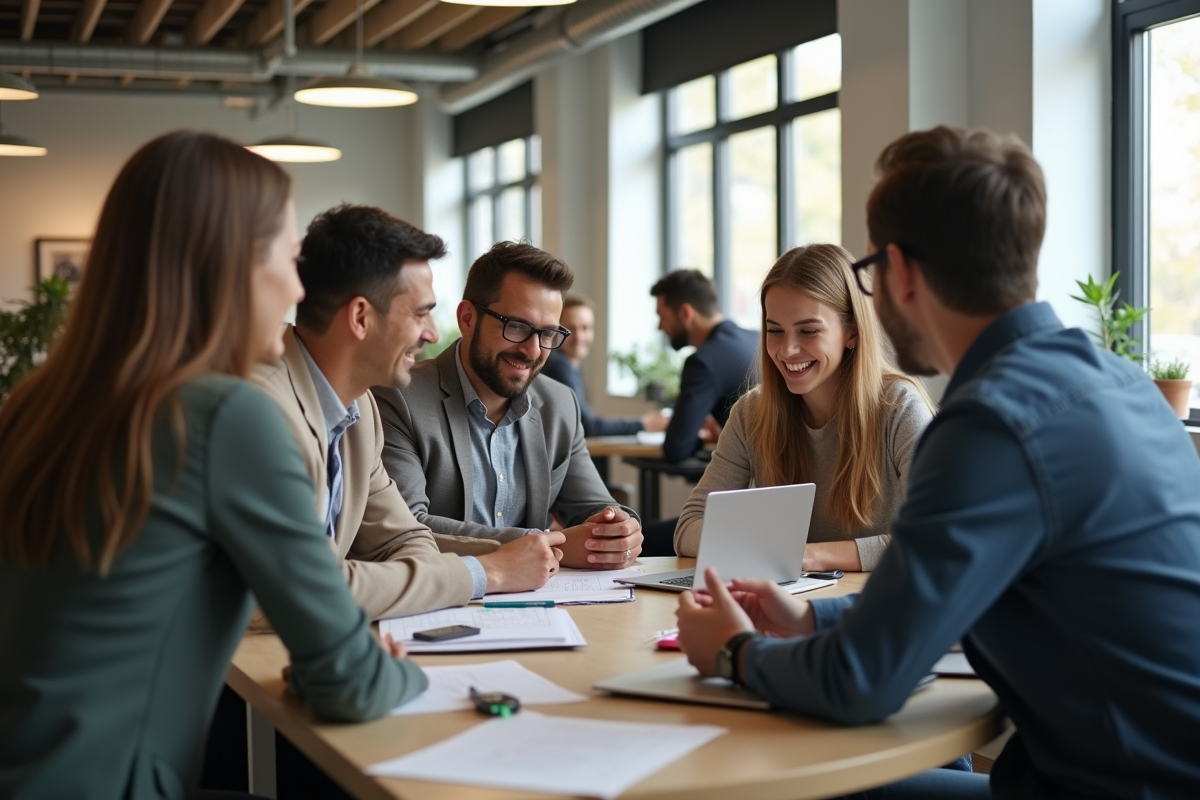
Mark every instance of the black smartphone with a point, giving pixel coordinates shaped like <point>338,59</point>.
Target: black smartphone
<point>442,634</point>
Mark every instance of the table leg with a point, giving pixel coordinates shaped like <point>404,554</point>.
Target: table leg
<point>601,463</point>
<point>260,741</point>
<point>648,489</point>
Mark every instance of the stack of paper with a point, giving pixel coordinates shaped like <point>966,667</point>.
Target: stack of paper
<point>450,687</point>
<point>500,629</point>
<point>576,587</point>
<point>560,755</point>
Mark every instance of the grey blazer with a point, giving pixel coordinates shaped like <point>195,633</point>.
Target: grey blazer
<point>427,452</point>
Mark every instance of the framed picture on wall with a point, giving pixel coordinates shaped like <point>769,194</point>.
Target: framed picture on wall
<point>61,257</point>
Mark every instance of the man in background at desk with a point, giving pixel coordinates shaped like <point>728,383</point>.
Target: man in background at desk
<point>482,446</point>
<point>714,376</point>
<point>565,365</point>
<point>1052,521</point>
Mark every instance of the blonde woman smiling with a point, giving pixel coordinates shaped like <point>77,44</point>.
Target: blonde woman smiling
<point>831,410</point>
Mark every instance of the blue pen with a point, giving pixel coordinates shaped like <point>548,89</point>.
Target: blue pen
<point>521,604</point>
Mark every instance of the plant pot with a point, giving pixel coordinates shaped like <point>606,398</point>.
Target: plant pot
<point>655,392</point>
<point>1177,394</point>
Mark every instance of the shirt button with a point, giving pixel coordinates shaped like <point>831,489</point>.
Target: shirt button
<point>501,477</point>
<point>499,514</point>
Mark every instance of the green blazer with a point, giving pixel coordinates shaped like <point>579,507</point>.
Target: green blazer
<point>107,684</point>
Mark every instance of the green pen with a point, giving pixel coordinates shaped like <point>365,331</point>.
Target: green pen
<point>522,604</point>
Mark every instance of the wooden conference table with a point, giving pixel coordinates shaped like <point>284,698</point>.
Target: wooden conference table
<point>763,755</point>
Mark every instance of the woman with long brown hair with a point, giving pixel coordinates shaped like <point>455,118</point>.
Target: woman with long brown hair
<point>147,491</point>
<point>830,410</point>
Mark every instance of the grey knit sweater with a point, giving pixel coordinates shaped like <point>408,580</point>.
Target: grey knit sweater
<point>733,467</point>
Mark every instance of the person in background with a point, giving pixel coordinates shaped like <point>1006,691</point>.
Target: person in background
<point>1052,522</point>
<point>565,365</point>
<point>150,494</point>
<point>831,410</point>
<point>713,377</point>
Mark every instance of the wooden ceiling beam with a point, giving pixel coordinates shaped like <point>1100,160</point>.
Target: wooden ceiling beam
<point>209,20</point>
<point>392,15</point>
<point>29,12</point>
<point>438,22</point>
<point>268,23</point>
<point>477,27</point>
<point>334,17</point>
<point>85,21</point>
<point>146,19</point>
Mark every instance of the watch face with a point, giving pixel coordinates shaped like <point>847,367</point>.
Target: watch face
<point>725,664</point>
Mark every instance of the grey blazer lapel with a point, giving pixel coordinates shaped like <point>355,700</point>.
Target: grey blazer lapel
<point>460,431</point>
<point>537,466</point>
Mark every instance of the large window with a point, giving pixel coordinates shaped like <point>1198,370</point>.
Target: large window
<point>753,167</point>
<point>503,199</point>
<point>1156,183</point>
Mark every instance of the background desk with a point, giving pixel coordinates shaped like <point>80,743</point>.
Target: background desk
<point>648,460</point>
<point>764,755</point>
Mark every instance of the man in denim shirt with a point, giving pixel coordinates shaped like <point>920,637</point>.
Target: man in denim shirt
<point>1052,520</point>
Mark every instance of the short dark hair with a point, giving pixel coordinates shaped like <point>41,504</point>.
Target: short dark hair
<point>487,273</point>
<point>970,207</point>
<point>689,286</point>
<point>573,300</point>
<point>352,251</point>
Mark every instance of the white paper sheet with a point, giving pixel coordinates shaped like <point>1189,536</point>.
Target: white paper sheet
<point>560,755</point>
<point>954,665</point>
<point>450,687</point>
<point>576,587</point>
<point>500,629</point>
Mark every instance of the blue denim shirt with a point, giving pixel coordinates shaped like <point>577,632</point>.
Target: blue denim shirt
<point>338,419</point>
<point>1053,524</point>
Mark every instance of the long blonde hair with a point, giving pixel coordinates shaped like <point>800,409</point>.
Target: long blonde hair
<point>165,298</point>
<point>866,375</point>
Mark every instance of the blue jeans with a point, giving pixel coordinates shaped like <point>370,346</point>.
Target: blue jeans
<point>936,784</point>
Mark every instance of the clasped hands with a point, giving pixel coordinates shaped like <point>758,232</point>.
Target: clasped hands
<point>710,617</point>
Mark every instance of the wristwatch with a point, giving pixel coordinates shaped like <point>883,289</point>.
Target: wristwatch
<point>727,656</point>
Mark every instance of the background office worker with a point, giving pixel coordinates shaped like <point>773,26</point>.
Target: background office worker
<point>714,376</point>
<point>365,316</point>
<point>1075,591</point>
<point>148,491</point>
<point>565,365</point>
<point>482,446</point>
<point>830,410</point>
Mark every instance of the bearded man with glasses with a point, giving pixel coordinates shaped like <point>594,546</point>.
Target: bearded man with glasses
<point>484,450</point>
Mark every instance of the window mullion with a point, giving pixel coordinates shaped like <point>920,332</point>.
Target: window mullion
<point>721,191</point>
<point>784,155</point>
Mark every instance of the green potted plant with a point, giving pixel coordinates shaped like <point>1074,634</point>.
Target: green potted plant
<point>1171,377</point>
<point>27,331</point>
<point>655,369</point>
<point>1113,320</point>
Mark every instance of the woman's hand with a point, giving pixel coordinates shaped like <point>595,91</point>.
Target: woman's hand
<point>828,556</point>
<point>772,610</point>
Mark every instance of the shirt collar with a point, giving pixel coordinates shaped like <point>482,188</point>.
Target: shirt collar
<point>517,407</point>
<point>1018,323</point>
<point>337,417</point>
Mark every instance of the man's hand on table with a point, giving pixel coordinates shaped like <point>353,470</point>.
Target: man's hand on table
<point>609,539</point>
<point>523,564</point>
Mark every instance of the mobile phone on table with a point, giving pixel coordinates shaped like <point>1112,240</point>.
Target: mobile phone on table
<point>442,634</point>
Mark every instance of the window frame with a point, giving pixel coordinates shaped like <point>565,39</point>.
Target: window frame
<point>781,117</point>
<point>494,191</point>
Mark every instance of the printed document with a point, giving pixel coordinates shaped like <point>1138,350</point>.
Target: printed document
<point>499,629</point>
<point>576,587</point>
<point>450,687</point>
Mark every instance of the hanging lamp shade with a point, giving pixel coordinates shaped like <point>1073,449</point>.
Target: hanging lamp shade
<point>20,146</point>
<point>14,87</point>
<point>294,149</point>
<point>358,89</point>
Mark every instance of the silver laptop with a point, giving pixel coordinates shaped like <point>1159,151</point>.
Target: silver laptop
<point>750,533</point>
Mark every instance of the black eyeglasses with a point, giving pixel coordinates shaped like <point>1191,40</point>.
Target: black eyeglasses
<point>862,268</point>
<point>517,332</point>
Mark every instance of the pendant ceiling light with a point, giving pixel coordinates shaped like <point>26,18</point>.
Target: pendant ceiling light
<point>19,146</point>
<point>291,147</point>
<point>13,87</point>
<point>358,89</point>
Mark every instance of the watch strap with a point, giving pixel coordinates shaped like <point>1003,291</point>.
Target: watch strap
<point>734,648</point>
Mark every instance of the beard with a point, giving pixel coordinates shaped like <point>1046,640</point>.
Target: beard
<point>487,367</point>
<point>678,338</point>
<point>905,339</point>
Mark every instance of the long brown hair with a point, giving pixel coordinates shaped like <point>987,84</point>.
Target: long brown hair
<point>781,449</point>
<point>165,298</point>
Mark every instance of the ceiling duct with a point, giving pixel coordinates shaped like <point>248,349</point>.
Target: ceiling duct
<point>578,29</point>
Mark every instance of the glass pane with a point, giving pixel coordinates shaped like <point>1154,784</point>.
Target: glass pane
<point>512,161</point>
<point>482,237</point>
<point>753,87</point>
<point>481,169</point>
<point>1174,151</point>
<point>817,148</point>
<point>752,221</point>
<point>694,105</point>
<point>535,210</point>
<point>535,155</point>
<point>817,67</point>
<point>693,207</point>
<point>512,215</point>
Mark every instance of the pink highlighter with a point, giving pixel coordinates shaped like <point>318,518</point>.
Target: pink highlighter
<point>669,642</point>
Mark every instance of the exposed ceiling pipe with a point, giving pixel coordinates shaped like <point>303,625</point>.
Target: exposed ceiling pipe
<point>221,64</point>
<point>578,29</point>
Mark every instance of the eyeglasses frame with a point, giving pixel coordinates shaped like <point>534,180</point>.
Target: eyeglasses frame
<point>505,321</point>
<point>877,257</point>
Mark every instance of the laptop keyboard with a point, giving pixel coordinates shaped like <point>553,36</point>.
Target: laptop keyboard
<point>686,580</point>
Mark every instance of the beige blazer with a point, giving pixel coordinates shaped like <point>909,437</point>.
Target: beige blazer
<point>390,560</point>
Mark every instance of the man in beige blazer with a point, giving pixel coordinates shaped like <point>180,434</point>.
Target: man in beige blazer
<point>366,314</point>
<point>484,449</point>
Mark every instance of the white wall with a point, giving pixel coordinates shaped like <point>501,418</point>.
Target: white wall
<point>90,137</point>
